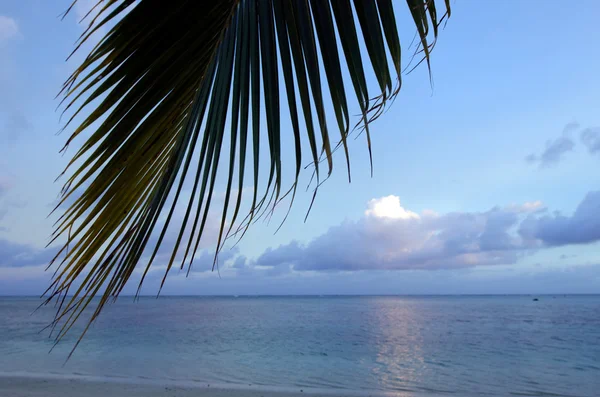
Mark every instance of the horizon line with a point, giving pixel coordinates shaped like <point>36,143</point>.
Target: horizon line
<point>324,295</point>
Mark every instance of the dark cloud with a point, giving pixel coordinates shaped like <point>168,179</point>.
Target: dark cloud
<point>557,280</point>
<point>564,279</point>
<point>202,260</point>
<point>208,242</point>
<point>240,262</point>
<point>20,255</point>
<point>555,149</point>
<point>571,128</point>
<point>284,254</point>
<point>554,152</point>
<point>15,124</point>
<point>205,261</point>
<point>590,137</point>
<point>64,202</point>
<point>565,256</point>
<point>3,212</point>
<point>581,228</point>
<point>531,158</point>
<point>4,186</point>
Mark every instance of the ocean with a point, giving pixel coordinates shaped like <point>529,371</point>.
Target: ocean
<point>394,345</point>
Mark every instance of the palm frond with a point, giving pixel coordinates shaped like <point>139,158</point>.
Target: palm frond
<point>171,82</point>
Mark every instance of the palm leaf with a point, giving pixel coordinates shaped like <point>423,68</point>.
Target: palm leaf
<point>164,88</point>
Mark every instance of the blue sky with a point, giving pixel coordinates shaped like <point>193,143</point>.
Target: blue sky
<point>483,182</point>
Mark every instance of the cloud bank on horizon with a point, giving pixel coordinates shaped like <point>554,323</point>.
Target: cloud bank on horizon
<point>390,237</point>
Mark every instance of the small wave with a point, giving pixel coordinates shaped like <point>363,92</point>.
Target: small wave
<point>437,391</point>
<point>540,393</point>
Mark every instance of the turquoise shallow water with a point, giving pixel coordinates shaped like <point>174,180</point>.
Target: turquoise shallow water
<point>476,345</point>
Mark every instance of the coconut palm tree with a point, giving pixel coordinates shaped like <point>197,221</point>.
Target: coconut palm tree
<point>171,82</point>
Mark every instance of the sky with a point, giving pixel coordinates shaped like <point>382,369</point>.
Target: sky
<point>485,178</point>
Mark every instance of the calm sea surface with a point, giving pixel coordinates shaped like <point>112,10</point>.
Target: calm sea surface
<point>483,345</point>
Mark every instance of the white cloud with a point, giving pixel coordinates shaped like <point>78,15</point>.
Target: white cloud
<point>532,206</point>
<point>391,237</point>
<point>389,207</point>
<point>529,206</point>
<point>8,28</point>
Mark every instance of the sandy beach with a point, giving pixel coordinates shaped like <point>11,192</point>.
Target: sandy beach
<point>50,386</point>
<point>21,385</point>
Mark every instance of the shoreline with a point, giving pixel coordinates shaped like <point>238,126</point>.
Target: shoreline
<point>25,384</point>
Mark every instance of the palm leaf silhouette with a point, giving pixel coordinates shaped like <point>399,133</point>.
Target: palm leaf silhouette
<point>170,83</point>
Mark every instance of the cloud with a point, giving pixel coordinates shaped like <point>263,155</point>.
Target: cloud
<point>399,239</point>
<point>23,255</point>
<point>555,149</point>
<point>531,158</point>
<point>590,137</point>
<point>565,256</point>
<point>390,237</point>
<point>204,262</point>
<point>240,262</point>
<point>389,207</point>
<point>8,28</point>
<point>554,152</point>
<point>365,256</point>
<point>581,228</point>
<point>387,239</point>
<point>3,212</point>
<point>564,279</point>
<point>5,185</point>
<point>16,124</point>
<point>12,121</point>
<point>571,127</point>
<point>530,206</point>
<point>63,203</point>
<point>555,280</point>
<point>208,241</point>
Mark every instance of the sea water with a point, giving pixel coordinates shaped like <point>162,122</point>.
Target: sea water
<point>460,345</point>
